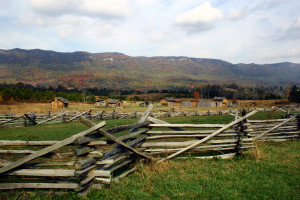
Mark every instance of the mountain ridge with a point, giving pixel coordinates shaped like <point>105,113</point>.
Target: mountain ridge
<point>117,70</point>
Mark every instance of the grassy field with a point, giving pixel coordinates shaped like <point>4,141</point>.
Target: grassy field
<point>269,172</point>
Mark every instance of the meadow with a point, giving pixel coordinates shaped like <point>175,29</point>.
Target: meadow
<point>271,171</point>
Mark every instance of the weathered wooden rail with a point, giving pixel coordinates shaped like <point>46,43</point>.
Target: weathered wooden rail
<point>95,155</point>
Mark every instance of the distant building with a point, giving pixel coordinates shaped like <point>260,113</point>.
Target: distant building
<point>220,101</point>
<point>114,103</point>
<point>168,101</point>
<point>59,102</point>
<point>100,102</point>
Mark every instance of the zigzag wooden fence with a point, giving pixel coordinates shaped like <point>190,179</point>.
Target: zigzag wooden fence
<point>29,119</point>
<point>95,155</point>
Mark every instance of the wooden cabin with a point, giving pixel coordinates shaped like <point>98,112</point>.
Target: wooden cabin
<point>220,101</point>
<point>168,101</point>
<point>59,102</point>
<point>100,102</point>
<point>114,103</point>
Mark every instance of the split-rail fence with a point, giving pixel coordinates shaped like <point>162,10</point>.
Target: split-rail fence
<point>98,155</point>
<point>31,118</point>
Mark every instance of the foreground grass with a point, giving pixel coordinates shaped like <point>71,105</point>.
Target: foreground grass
<point>272,172</point>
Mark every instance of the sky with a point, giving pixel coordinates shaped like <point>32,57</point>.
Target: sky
<point>237,31</point>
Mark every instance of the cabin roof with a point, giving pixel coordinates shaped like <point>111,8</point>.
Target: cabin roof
<point>61,99</point>
<point>170,99</point>
<point>219,98</point>
<point>113,101</point>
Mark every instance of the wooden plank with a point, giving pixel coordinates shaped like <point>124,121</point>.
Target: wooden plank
<point>210,136</point>
<point>187,136</point>
<point>91,137</point>
<point>82,150</point>
<point>79,115</point>
<point>187,125</point>
<point>280,137</point>
<point>41,172</point>
<point>113,138</point>
<point>132,134</point>
<point>275,127</point>
<point>11,151</point>
<point>50,148</point>
<point>80,164</point>
<point>224,156</point>
<point>121,164</point>
<point>116,159</point>
<point>103,180</point>
<point>187,132</point>
<point>195,148</point>
<point>157,121</point>
<point>126,127</point>
<point>119,148</point>
<point>265,121</point>
<point>145,114</point>
<point>47,120</point>
<point>11,120</point>
<point>26,143</point>
<point>10,186</point>
<point>190,142</point>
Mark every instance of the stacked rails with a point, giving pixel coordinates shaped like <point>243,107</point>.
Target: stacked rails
<point>77,163</point>
<point>274,130</point>
<point>165,139</point>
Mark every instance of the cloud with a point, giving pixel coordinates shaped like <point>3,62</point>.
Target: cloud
<point>200,18</point>
<point>108,9</point>
<point>292,32</point>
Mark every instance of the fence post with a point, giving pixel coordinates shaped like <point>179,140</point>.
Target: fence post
<point>25,121</point>
<point>298,123</point>
<point>240,136</point>
<point>63,118</point>
<point>114,114</point>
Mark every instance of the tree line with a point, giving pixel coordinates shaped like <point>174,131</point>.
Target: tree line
<point>27,92</point>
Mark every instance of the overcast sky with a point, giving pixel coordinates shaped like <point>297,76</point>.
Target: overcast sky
<point>237,31</point>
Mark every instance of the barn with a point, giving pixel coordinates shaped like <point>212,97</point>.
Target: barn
<point>59,102</point>
<point>114,103</point>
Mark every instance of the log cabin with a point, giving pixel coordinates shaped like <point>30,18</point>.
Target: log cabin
<point>59,102</point>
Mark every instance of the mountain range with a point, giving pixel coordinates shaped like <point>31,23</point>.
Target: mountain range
<point>116,70</point>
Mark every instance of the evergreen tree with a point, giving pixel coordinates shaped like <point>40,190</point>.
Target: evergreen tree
<point>295,94</point>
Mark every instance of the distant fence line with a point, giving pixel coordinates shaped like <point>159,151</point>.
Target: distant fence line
<point>31,118</point>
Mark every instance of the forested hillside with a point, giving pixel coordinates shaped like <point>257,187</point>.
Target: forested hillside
<point>115,70</point>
